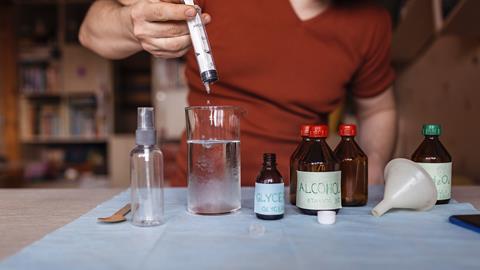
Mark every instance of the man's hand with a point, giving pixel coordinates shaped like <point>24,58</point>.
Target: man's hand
<point>116,29</point>
<point>160,27</point>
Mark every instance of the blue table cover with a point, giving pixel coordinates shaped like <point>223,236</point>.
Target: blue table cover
<point>400,239</point>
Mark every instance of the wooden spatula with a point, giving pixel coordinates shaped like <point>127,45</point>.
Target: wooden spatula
<point>119,216</point>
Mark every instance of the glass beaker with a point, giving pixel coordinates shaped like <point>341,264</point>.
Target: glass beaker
<point>213,141</point>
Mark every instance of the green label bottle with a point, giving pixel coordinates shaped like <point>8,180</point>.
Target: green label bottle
<point>435,159</point>
<point>318,176</point>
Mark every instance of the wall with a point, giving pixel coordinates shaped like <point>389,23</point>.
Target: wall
<point>443,86</point>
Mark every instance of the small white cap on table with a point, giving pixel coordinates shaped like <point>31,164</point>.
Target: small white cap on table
<point>326,217</point>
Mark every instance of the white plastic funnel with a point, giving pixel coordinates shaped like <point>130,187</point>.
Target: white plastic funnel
<point>408,186</point>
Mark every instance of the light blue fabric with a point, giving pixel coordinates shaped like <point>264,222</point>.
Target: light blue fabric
<point>399,240</point>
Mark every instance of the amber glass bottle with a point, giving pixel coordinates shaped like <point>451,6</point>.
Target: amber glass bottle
<point>354,167</point>
<point>297,154</point>
<point>269,190</point>
<point>435,159</point>
<point>318,176</point>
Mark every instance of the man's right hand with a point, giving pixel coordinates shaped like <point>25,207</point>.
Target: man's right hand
<point>160,27</point>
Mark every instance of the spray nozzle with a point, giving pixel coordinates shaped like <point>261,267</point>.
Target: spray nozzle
<point>145,134</point>
<point>145,118</point>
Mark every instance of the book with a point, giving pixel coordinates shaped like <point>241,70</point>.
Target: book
<point>83,120</point>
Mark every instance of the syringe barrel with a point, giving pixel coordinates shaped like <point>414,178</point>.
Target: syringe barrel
<point>201,46</point>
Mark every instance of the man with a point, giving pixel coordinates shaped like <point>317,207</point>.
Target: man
<point>286,62</point>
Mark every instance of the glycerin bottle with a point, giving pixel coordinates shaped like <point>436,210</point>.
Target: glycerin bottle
<point>269,190</point>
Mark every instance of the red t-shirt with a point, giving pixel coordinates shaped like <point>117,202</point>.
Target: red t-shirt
<point>286,72</point>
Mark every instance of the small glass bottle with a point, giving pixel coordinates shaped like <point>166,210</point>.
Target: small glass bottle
<point>297,154</point>
<point>354,167</point>
<point>269,190</point>
<point>146,168</point>
<point>318,176</point>
<point>435,159</point>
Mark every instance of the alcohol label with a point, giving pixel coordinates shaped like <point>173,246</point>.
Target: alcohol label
<point>319,190</point>
<point>269,199</point>
<point>441,174</point>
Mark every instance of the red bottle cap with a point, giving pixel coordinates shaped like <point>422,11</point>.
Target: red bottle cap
<point>319,131</point>
<point>305,130</point>
<point>347,130</point>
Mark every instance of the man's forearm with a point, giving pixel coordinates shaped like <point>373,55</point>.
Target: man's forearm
<point>107,30</point>
<point>377,133</point>
<point>380,129</point>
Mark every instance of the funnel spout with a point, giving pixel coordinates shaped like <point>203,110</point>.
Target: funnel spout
<point>381,208</point>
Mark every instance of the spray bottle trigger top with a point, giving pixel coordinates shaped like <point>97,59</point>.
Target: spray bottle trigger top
<point>145,134</point>
<point>145,120</point>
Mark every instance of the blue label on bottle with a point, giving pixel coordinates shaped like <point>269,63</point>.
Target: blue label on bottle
<point>269,199</point>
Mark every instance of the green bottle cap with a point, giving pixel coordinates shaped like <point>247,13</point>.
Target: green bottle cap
<point>431,130</point>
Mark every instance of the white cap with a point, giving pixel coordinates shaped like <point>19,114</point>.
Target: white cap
<point>326,217</point>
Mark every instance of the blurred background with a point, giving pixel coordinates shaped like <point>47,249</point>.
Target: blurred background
<point>67,116</point>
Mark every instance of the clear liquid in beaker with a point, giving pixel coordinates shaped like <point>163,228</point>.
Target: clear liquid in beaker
<point>214,176</point>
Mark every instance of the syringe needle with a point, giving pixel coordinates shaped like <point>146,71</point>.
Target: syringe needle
<point>207,87</point>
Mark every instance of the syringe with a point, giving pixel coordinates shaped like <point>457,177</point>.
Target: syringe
<point>201,46</point>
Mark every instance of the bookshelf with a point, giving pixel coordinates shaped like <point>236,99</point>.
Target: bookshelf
<point>67,97</point>
<point>169,97</point>
<point>65,93</point>
<point>132,89</point>
<point>167,92</point>
<point>77,110</point>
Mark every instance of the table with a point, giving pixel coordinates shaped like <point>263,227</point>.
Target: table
<point>29,214</point>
